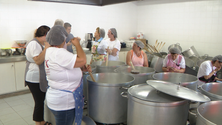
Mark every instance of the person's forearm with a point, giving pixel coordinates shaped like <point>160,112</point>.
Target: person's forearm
<point>211,74</point>
<point>165,69</point>
<point>40,58</point>
<point>181,70</point>
<point>80,53</point>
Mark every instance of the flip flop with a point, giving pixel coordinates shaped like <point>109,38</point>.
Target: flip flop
<point>48,123</point>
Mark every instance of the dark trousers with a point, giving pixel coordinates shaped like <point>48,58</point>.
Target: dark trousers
<point>39,97</point>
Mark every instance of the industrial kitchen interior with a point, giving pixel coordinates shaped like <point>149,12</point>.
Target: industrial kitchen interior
<point>120,92</point>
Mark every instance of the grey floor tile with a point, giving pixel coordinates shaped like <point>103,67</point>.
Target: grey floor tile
<point>26,112</point>
<point>1,123</point>
<point>21,107</point>
<point>16,122</point>
<point>16,102</point>
<point>6,111</point>
<point>2,101</point>
<point>11,98</point>
<point>29,120</point>
<point>9,117</point>
<point>4,105</point>
<point>26,96</point>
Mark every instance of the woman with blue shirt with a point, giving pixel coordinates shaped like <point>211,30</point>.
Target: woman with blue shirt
<point>99,46</point>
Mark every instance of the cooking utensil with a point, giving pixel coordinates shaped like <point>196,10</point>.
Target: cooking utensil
<point>213,90</point>
<point>178,91</point>
<point>209,113</point>
<point>145,73</point>
<point>90,73</point>
<point>112,65</point>
<point>190,52</point>
<point>134,71</point>
<point>107,58</point>
<point>186,80</point>
<point>147,106</point>
<point>105,104</point>
<point>161,46</point>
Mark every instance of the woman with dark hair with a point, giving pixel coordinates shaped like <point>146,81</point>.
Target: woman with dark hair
<point>208,69</point>
<point>34,74</point>
<point>136,55</point>
<point>174,62</point>
<point>99,46</point>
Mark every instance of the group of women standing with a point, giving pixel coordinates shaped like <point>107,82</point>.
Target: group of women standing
<point>54,72</point>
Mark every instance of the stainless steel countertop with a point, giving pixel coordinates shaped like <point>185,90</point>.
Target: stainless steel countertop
<point>16,58</point>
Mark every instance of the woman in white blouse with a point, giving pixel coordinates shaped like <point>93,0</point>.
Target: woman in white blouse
<point>99,46</point>
<point>113,45</point>
<point>64,95</point>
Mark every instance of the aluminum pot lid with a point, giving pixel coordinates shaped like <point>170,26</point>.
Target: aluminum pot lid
<point>148,93</point>
<point>178,91</point>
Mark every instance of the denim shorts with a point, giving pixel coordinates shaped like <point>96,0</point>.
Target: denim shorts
<point>65,117</point>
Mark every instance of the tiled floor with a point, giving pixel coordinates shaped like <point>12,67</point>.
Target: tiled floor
<point>17,110</point>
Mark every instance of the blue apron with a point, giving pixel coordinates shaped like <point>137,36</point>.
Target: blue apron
<point>79,102</point>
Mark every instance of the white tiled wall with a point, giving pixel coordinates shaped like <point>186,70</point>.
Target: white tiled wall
<point>197,23</point>
<point>19,18</point>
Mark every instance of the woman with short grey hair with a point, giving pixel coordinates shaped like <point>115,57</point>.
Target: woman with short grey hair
<point>113,45</point>
<point>99,46</point>
<point>174,62</point>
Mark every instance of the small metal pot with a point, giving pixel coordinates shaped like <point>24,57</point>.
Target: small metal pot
<point>190,52</point>
<point>209,113</point>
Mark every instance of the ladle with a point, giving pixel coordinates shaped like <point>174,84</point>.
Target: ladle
<point>134,71</point>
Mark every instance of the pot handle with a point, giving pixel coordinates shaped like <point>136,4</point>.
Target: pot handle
<point>124,94</point>
<point>124,87</point>
<point>177,44</point>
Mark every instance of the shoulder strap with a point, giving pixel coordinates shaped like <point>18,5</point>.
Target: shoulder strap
<point>39,43</point>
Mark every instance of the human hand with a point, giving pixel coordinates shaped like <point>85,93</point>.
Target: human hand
<point>69,43</point>
<point>47,45</point>
<point>217,69</point>
<point>75,41</point>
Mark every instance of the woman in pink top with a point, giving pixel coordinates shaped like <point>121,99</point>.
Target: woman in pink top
<point>174,62</point>
<point>136,55</point>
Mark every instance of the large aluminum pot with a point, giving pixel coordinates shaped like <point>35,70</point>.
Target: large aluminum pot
<point>213,90</point>
<point>157,63</point>
<point>189,62</point>
<point>85,83</point>
<point>177,45</point>
<point>209,113</point>
<point>105,104</point>
<point>185,80</point>
<point>112,65</point>
<point>147,106</point>
<point>190,52</point>
<point>145,73</point>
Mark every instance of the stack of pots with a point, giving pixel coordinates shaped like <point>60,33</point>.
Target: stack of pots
<point>105,103</point>
<point>160,103</point>
<point>185,80</point>
<point>145,73</point>
<point>112,65</point>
